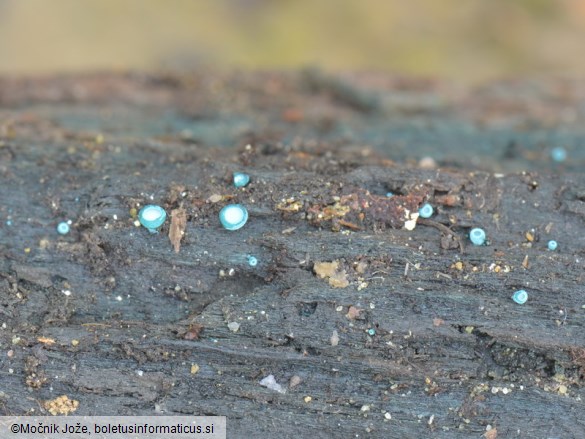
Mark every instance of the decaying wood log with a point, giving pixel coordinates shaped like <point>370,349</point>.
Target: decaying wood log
<point>373,330</point>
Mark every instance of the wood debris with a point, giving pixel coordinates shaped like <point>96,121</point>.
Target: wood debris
<point>61,405</point>
<point>336,277</point>
<point>177,229</point>
<point>353,313</point>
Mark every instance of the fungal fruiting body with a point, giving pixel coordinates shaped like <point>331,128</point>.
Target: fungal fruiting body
<point>233,216</point>
<point>63,228</point>
<point>558,154</point>
<point>152,217</point>
<point>552,245</point>
<point>371,332</point>
<point>389,194</point>
<point>241,179</point>
<point>520,297</point>
<point>252,261</point>
<point>477,236</point>
<point>426,211</point>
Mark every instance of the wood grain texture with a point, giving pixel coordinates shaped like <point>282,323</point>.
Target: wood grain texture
<point>451,354</point>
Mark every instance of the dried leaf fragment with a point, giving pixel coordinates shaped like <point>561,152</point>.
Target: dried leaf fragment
<point>325,269</point>
<point>337,278</point>
<point>177,229</point>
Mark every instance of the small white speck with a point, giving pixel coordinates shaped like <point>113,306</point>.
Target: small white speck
<point>387,415</point>
<point>119,298</point>
<point>66,292</point>
<point>139,373</point>
<point>115,217</point>
<point>334,340</point>
<point>10,370</point>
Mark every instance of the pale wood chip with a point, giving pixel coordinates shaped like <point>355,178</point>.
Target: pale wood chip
<point>177,229</point>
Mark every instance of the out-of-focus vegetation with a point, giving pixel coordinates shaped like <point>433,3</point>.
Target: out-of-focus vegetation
<point>465,40</point>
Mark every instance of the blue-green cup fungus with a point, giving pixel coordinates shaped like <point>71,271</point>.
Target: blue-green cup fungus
<point>477,236</point>
<point>152,217</point>
<point>241,179</point>
<point>426,211</point>
<point>552,245</point>
<point>63,228</point>
<point>520,297</point>
<point>558,154</point>
<point>233,216</point>
<point>252,261</point>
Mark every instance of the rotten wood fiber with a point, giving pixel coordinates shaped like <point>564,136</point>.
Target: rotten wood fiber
<point>416,337</point>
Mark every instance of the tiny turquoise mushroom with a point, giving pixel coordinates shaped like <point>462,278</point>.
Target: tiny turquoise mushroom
<point>233,216</point>
<point>152,217</point>
<point>520,297</point>
<point>63,228</point>
<point>252,261</point>
<point>371,332</point>
<point>389,194</point>
<point>426,211</point>
<point>552,245</point>
<point>477,236</point>
<point>558,154</point>
<point>241,179</point>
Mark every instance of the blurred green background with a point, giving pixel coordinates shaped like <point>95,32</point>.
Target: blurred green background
<point>463,40</point>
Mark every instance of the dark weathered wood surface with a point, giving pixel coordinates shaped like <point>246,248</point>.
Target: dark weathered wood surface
<point>451,353</point>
